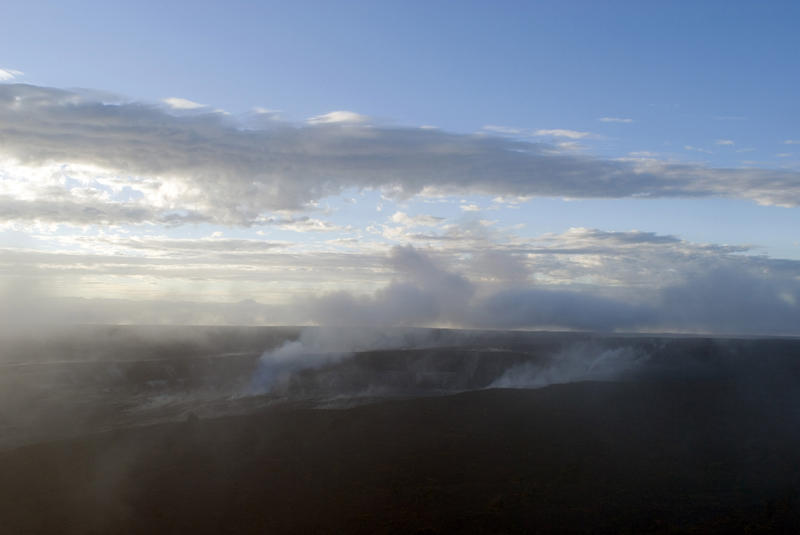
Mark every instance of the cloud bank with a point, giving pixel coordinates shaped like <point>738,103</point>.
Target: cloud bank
<point>583,279</point>
<point>733,297</point>
<point>78,156</point>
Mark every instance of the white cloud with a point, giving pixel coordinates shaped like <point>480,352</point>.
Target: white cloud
<point>724,142</point>
<point>570,146</point>
<point>558,132</point>
<point>697,149</point>
<point>523,132</point>
<point>173,247</point>
<point>792,142</point>
<point>177,103</point>
<point>339,117</point>
<point>9,74</point>
<point>419,220</point>
<point>311,224</point>
<point>470,207</point>
<point>615,120</point>
<point>265,111</point>
<point>69,157</point>
<point>509,130</point>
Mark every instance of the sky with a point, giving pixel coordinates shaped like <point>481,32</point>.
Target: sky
<point>612,166</point>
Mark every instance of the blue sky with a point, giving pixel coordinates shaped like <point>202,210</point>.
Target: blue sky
<point>670,124</point>
<point>687,73</point>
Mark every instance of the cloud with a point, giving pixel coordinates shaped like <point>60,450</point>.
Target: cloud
<point>9,74</point>
<point>582,236</point>
<point>500,268</point>
<point>171,246</point>
<point>615,120</point>
<point>154,166</point>
<point>558,132</point>
<point>424,293</point>
<point>697,149</point>
<point>570,146</point>
<point>78,211</point>
<point>518,308</point>
<point>508,130</point>
<point>733,297</point>
<point>265,111</point>
<point>724,142</point>
<point>339,117</point>
<point>523,132</point>
<point>177,103</point>
<point>475,276</point>
<point>304,224</point>
<point>792,142</point>
<point>420,220</point>
<point>467,231</point>
<point>601,261</point>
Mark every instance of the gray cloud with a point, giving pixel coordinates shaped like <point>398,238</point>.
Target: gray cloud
<point>90,211</point>
<point>205,166</point>
<point>648,282</point>
<point>60,207</point>
<point>530,307</point>
<point>736,296</point>
<point>183,246</point>
<point>188,259</point>
<point>425,293</point>
<point>735,299</point>
<point>633,265</point>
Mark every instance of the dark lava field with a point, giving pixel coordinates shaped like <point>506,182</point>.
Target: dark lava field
<point>288,430</point>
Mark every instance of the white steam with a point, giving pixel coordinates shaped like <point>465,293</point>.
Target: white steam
<point>320,346</point>
<point>579,362</point>
<point>318,352</point>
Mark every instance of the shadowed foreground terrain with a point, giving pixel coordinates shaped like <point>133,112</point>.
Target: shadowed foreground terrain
<point>699,438</point>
